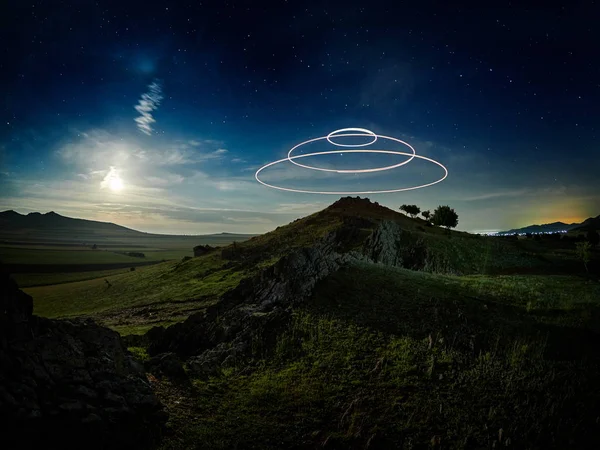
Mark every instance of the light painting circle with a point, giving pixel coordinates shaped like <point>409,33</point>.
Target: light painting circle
<point>388,191</point>
<point>291,157</point>
<point>363,131</point>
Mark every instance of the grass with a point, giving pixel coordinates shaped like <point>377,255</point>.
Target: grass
<point>55,257</point>
<point>12,255</point>
<point>385,358</point>
<point>46,279</point>
<point>482,347</point>
<point>154,293</point>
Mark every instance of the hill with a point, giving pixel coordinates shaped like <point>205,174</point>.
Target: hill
<point>61,228</point>
<point>358,327</point>
<point>556,227</point>
<point>173,290</point>
<point>593,223</point>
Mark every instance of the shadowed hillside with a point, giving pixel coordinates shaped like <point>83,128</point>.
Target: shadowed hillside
<point>358,327</point>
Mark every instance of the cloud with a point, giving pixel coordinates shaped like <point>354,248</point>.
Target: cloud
<point>148,103</point>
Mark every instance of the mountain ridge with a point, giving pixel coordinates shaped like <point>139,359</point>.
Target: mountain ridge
<point>554,227</point>
<point>11,220</point>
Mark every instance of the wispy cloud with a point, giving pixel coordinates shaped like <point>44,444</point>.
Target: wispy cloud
<point>148,103</point>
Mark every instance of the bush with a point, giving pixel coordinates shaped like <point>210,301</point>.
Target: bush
<point>132,269</point>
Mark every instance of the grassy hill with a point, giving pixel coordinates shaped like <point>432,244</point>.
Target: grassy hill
<point>469,342</point>
<point>171,291</point>
<point>392,358</point>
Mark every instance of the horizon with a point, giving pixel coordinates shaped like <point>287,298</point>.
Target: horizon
<point>268,230</point>
<point>163,131</point>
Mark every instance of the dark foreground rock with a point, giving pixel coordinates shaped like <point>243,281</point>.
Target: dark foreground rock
<point>69,384</point>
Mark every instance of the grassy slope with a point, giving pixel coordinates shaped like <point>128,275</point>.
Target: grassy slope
<point>170,291</point>
<point>47,279</point>
<point>384,357</point>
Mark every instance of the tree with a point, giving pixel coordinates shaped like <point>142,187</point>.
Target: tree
<point>584,253</point>
<point>412,210</point>
<point>426,215</point>
<point>593,238</point>
<point>445,216</point>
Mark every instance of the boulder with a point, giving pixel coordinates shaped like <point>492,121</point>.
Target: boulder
<point>166,364</point>
<point>69,383</point>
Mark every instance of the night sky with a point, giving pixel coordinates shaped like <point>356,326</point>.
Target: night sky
<point>156,115</point>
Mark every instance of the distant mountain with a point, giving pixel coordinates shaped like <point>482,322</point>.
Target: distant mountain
<point>591,223</point>
<point>13,225</point>
<point>13,221</point>
<point>555,227</point>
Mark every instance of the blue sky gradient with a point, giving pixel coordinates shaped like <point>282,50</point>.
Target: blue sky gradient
<point>505,97</point>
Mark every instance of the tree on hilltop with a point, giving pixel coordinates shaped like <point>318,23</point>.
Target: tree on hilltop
<point>445,216</point>
<point>426,215</point>
<point>412,210</point>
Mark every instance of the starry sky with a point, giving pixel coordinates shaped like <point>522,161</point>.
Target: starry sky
<point>156,115</point>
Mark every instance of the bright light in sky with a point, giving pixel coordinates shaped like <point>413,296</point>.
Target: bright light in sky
<point>112,180</point>
<point>116,184</point>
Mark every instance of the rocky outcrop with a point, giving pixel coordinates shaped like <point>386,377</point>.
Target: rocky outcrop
<point>225,332</point>
<point>66,384</point>
<point>391,245</point>
<point>200,250</point>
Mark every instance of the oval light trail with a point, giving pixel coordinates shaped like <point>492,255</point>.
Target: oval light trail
<point>363,132</point>
<point>388,191</point>
<point>291,157</point>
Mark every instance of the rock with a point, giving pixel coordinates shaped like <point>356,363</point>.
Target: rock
<point>69,383</point>
<point>167,364</point>
<point>200,250</point>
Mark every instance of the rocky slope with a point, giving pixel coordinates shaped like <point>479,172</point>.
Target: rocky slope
<point>223,333</point>
<point>66,384</point>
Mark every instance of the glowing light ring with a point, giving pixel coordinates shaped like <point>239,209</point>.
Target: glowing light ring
<point>376,169</point>
<point>364,132</point>
<point>388,191</point>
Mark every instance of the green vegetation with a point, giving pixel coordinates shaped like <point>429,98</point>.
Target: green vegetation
<point>45,279</point>
<point>486,342</point>
<point>391,358</point>
<point>584,253</point>
<point>62,256</point>
<point>149,295</point>
<point>445,216</point>
<point>412,210</point>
